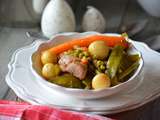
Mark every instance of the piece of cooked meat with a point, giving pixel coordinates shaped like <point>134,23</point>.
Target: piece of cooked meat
<point>72,65</point>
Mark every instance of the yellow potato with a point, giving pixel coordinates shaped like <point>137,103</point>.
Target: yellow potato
<point>98,49</point>
<point>101,81</point>
<point>50,70</point>
<point>48,57</point>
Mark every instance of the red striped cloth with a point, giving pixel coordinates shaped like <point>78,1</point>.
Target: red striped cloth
<point>10,110</point>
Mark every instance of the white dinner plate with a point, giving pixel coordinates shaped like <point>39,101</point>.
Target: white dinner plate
<point>23,83</point>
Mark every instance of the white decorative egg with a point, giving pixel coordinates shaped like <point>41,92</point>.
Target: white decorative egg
<point>57,17</point>
<point>93,20</point>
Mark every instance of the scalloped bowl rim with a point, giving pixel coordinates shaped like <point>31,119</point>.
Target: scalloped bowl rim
<point>86,91</point>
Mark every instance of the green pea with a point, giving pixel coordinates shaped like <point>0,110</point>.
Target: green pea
<point>80,55</point>
<point>86,54</point>
<point>76,54</point>
<point>84,57</point>
<point>78,51</point>
<point>94,57</point>
<point>98,62</point>
<point>102,67</point>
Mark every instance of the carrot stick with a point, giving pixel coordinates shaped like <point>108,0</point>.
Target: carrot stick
<point>111,41</point>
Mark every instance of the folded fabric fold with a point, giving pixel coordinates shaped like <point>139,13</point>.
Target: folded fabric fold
<point>10,110</point>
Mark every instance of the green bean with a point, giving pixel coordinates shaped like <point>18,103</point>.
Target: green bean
<point>134,58</point>
<point>88,83</point>
<point>115,81</point>
<point>120,70</point>
<point>114,61</point>
<point>125,62</point>
<point>80,55</point>
<point>98,71</point>
<point>129,70</point>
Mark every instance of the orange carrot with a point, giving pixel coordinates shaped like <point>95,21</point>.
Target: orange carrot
<point>111,41</point>
<point>84,61</point>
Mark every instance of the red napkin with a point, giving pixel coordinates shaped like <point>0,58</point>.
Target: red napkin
<point>10,110</point>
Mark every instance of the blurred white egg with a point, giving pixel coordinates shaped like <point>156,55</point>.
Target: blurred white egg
<point>57,17</point>
<point>38,6</point>
<point>93,20</point>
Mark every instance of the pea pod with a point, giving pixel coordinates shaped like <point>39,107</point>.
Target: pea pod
<point>115,81</point>
<point>114,60</point>
<point>134,58</point>
<point>67,80</point>
<point>129,70</point>
<point>125,62</point>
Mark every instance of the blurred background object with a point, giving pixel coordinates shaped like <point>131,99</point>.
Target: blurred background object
<point>120,15</point>
<point>22,13</point>
<point>17,13</point>
<point>151,6</point>
<point>93,20</point>
<point>38,6</point>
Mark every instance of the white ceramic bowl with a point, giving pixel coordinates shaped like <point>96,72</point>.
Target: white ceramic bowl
<point>81,93</point>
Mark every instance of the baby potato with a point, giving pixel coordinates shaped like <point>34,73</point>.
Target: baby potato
<point>50,70</point>
<point>101,81</point>
<point>98,49</point>
<point>48,57</point>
